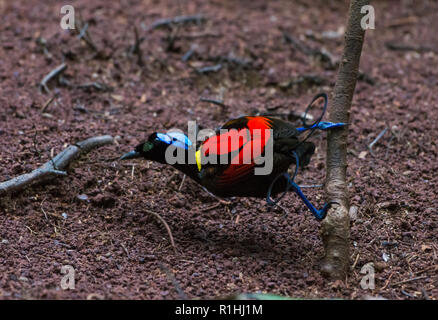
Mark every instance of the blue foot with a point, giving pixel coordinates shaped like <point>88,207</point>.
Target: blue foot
<point>318,214</point>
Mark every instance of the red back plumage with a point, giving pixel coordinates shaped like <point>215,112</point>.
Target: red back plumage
<point>243,140</point>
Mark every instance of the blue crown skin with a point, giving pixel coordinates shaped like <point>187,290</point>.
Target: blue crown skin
<point>177,139</point>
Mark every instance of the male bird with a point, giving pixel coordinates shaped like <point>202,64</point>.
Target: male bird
<point>237,177</point>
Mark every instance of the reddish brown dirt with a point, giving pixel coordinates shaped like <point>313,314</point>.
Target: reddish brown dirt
<point>117,249</point>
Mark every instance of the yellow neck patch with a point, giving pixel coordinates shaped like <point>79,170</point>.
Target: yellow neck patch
<point>198,159</point>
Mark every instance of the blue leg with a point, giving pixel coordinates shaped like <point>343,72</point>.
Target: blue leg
<point>322,125</point>
<point>319,214</point>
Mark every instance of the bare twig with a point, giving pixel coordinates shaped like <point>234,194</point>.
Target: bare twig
<point>83,31</point>
<point>209,69</point>
<point>387,281</point>
<point>427,269</point>
<point>408,280</point>
<point>52,74</point>
<point>214,206</point>
<point>405,47</point>
<point>326,58</point>
<point>371,145</point>
<point>136,48</point>
<point>175,283</point>
<point>355,262</point>
<point>402,21</point>
<point>124,249</point>
<point>425,294</point>
<point>95,85</point>
<point>54,167</point>
<point>186,57</point>
<point>407,294</point>
<point>48,102</point>
<point>156,215</point>
<point>168,23</point>
<point>182,183</point>
<point>43,44</point>
<point>388,145</point>
<point>303,81</point>
<point>216,197</point>
<point>197,35</point>
<point>231,60</point>
<point>85,36</point>
<point>214,101</point>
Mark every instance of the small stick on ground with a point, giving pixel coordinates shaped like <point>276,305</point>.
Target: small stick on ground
<point>54,167</point>
<point>425,294</point>
<point>231,60</point>
<point>156,215</point>
<point>388,145</point>
<point>405,47</point>
<point>407,294</point>
<point>84,35</point>
<point>171,39</point>
<point>371,145</point>
<point>52,74</point>
<point>124,249</point>
<point>409,280</point>
<point>327,60</point>
<point>355,262</point>
<point>182,183</point>
<point>209,69</point>
<point>211,207</point>
<point>216,197</point>
<point>95,85</point>
<point>136,48</point>
<point>48,102</point>
<point>168,23</point>
<point>387,281</point>
<point>42,209</point>
<point>214,101</point>
<point>83,31</point>
<point>175,283</point>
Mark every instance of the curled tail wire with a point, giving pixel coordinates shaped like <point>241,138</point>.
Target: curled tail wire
<point>319,214</point>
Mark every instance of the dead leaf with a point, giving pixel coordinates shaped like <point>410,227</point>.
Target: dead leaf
<point>425,247</point>
<point>117,97</point>
<point>363,154</point>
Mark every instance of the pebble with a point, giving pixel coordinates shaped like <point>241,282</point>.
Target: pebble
<point>380,266</point>
<point>353,213</point>
<point>83,197</point>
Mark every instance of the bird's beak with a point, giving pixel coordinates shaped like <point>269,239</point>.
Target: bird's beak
<point>130,155</point>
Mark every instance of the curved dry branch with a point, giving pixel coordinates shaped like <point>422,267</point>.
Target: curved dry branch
<point>336,226</point>
<point>54,167</point>
<point>169,232</point>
